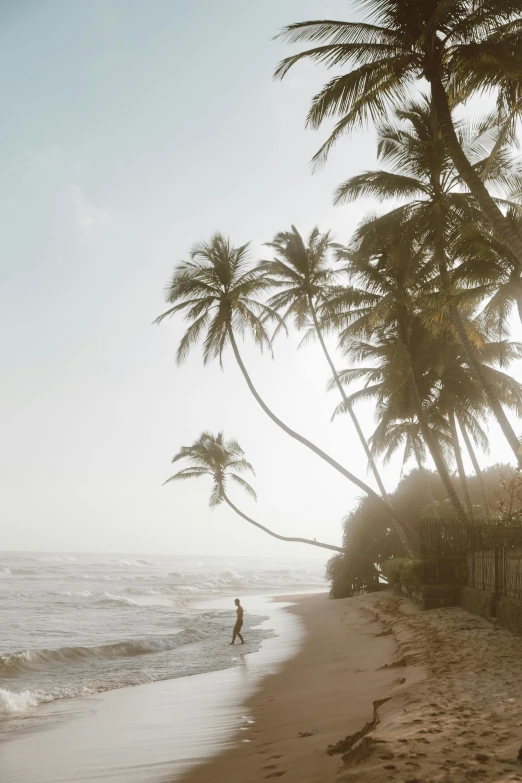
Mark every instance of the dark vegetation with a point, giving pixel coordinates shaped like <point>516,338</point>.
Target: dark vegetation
<point>419,496</point>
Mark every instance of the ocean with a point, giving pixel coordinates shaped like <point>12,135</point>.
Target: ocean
<point>73,625</point>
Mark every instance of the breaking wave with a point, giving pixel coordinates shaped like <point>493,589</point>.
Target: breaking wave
<point>16,703</point>
<point>12,664</point>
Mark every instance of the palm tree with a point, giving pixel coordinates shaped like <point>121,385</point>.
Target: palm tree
<point>485,265</point>
<point>460,48</point>
<point>222,460</point>
<point>215,290</point>
<point>302,271</point>
<point>388,272</point>
<point>420,171</point>
<point>449,392</point>
<point>478,472</point>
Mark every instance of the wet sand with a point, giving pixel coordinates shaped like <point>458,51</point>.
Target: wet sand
<point>319,696</point>
<point>381,691</point>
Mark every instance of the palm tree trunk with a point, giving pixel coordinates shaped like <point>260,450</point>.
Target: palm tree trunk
<point>433,447</point>
<point>410,542</point>
<point>492,397</point>
<point>477,469</point>
<point>348,405</point>
<point>470,352</point>
<point>466,171</point>
<point>460,463</point>
<point>424,472</point>
<point>518,294</point>
<point>276,535</point>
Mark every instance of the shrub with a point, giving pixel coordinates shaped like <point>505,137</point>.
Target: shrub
<point>404,572</point>
<point>350,576</point>
<point>392,570</point>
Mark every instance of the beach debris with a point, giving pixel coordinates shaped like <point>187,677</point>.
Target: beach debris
<point>306,733</point>
<point>345,745</point>
<point>368,746</point>
<point>394,664</point>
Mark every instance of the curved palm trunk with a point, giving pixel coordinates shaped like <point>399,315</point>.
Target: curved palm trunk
<point>470,352</point>
<point>476,468</point>
<point>433,447</point>
<point>348,405</point>
<point>276,535</point>
<point>466,171</point>
<point>424,472</point>
<point>492,397</point>
<point>460,463</point>
<point>410,542</point>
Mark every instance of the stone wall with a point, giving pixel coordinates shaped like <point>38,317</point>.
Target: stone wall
<point>434,596</point>
<point>506,611</point>
<point>478,602</point>
<point>509,613</point>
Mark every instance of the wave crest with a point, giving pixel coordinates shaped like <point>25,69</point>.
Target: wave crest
<point>12,664</point>
<point>16,703</point>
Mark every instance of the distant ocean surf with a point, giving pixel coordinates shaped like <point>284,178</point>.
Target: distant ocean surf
<point>74,625</point>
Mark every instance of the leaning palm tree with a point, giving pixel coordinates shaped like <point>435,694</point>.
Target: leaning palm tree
<point>302,272</point>
<point>419,170</point>
<point>460,47</point>
<point>222,460</point>
<point>217,291</point>
<point>487,266</point>
<point>387,272</point>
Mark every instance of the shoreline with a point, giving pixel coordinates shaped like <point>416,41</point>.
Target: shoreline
<point>359,690</point>
<point>323,693</point>
<point>382,691</point>
<point>154,731</point>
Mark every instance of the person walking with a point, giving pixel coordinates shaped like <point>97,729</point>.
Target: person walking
<point>239,622</point>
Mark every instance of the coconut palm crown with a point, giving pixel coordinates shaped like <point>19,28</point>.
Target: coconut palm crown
<point>217,292</point>
<point>302,271</point>
<point>212,455</point>
<point>460,47</point>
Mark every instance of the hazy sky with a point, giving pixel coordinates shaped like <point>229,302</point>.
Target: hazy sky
<point>129,131</point>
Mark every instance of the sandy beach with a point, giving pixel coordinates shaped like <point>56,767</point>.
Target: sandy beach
<point>382,691</point>
<point>363,689</point>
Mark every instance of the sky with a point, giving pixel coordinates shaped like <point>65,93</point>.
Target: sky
<point>130,131</point>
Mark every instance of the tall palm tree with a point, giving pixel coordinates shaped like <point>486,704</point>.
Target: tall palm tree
<point>387,273</point>
<point>215,290</point>
<point>448,390</point>
<point>421,172</point>
<point>303,273</point>
<point>222,460</point>
<point>478,471</point>
<point>460,48</point>
<point>486,266</point>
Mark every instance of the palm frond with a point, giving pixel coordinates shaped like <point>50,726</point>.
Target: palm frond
<point>244,484</point>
